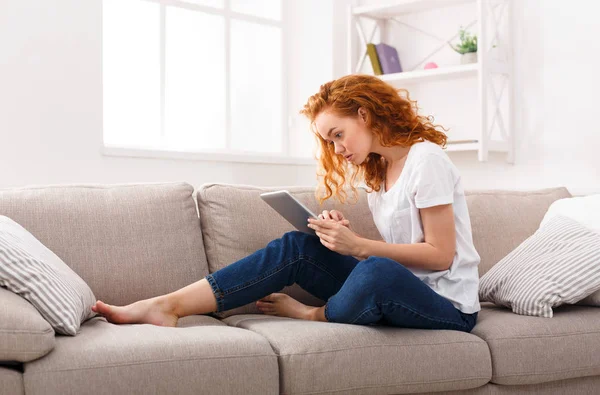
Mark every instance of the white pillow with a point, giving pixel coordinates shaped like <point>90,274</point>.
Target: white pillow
<point>558,264</point>
<point>586,211</point>
<point>32,271</point>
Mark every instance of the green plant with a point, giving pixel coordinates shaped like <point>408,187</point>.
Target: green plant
<point>468,42</point>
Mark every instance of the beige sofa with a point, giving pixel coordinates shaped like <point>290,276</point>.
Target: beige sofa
<point>136,241</point>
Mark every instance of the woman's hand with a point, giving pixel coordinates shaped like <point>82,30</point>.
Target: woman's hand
<point>335,236</point>
<point>336,216</point>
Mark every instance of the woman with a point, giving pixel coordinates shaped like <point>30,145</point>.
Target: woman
<point>424,275</point>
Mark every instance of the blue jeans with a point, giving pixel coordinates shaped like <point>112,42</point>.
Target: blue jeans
<point>374,291</point>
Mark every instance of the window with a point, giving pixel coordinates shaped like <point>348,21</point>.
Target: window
<point>194,76</point>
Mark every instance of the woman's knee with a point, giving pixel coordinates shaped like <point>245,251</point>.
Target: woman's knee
<point>293,234</point>
<point>300,239</point>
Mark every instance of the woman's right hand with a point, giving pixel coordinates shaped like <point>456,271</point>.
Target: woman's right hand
<point>336,216</point>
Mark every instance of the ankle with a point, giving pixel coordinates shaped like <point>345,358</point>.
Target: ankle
<point>318,314</point>
<point>312,314</point>
<point>168,304</point>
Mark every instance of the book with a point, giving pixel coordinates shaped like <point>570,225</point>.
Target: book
<point>372,52</point>
<point>388,58</point>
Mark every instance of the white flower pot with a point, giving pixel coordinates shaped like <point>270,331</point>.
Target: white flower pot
<point>469,57</point>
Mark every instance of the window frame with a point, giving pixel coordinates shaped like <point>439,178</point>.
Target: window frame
<point>228,154</point>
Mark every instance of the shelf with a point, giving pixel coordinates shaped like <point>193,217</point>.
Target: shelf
<point>404,7</point>
<point>462,145</point>
<point>493,108</point>
<point>441,73</point>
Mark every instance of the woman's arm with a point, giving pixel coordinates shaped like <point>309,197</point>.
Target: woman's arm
<point>437,250</point>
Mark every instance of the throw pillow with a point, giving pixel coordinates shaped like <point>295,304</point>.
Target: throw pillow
<point>586,211</point>
<point>558,264</point>
<point>583,209</point>
<point>32,271</point>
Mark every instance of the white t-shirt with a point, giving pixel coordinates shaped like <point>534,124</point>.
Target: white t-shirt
<point>429,179</point>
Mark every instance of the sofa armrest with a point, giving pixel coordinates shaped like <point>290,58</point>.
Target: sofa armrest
<point>24,334</point>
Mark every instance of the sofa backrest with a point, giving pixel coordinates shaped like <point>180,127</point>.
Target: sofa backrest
<point>127,241</point>
<point>134,241</point>
<point>501,220</point>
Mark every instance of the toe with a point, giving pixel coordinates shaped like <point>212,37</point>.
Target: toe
<point>268,298</point>
<point>103,308</point>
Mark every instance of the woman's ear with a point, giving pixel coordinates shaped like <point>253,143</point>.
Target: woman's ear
<point>362,114</point>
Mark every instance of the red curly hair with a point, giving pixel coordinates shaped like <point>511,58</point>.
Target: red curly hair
<point>390,115</point>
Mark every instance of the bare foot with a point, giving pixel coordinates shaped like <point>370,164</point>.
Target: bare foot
<point>283,305</point>
<point>155,311</point>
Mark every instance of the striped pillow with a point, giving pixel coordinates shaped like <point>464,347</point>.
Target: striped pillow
<point>559,264</point>
<point>32,271</point>
<point>586,211</point>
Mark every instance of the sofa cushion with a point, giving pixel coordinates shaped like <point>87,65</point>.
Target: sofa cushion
<point>24,334</point>
<point>11,382</point>
<point>236,222</point>
<point>530,350</point>
<point>501,220</point>
<point>322,357</point>
<point>579,386</point>
<point>127,242</point>
<point>201,355</point>
<point>29,269</point>
<point>558,264</point>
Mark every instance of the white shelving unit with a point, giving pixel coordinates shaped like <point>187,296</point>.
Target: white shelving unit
<point>438,74</point>
<point>488,27</point>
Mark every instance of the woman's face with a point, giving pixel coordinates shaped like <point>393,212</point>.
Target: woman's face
<point>349,135</point>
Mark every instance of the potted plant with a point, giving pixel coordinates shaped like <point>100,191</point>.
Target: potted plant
<point>467,47</point>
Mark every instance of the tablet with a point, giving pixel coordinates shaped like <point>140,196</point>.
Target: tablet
<point>290,208</point>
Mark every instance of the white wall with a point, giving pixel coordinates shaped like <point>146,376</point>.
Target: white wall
<point>51,101</point>
<point>556,63</point>
<point>310,64</point>
<point>51,120</point>
<point>556,51</point>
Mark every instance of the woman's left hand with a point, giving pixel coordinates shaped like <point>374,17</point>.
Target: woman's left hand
<point>335,236</point>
